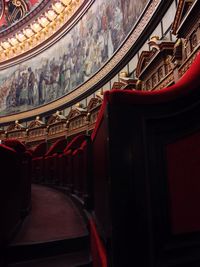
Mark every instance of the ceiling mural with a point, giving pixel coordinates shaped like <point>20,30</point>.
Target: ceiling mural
<point>1,8</point>
<point>71,61</point>
<point>12,11</point>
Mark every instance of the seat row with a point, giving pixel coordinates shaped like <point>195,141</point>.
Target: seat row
<point>139,174</point>
<point>15,190</point>
<point>146,174</point>
<point>63,163</point>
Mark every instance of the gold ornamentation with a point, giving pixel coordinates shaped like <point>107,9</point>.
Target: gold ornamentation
<point>98,76</point>
<point>53,19</point>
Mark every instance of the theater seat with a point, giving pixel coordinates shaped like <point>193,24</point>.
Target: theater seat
<point>65,161</point>
<point>24,162</point>
<point>82,173</point>
<point>37,162</point>
<point>98,252</point>
<point>50,160</point>
<point>10,202</point>
<point>146,174</point>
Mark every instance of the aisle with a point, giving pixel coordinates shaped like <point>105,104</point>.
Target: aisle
<point>54,234</point>
<point>53,217</point>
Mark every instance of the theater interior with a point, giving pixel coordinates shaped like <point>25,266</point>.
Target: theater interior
<point>100,133</point>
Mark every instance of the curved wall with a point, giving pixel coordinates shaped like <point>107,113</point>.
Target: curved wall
<point>72,60</point>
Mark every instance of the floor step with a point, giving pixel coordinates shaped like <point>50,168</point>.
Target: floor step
<point>78,259</point>
<point>54,234</point>
<point>25,252</point>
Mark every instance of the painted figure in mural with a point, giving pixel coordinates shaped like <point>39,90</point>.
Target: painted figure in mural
<point>127,8</point>
<point>74,59</point>
<point>41,88</point>
<point>21,90</point>
<point>54,79</point>
<point>23,99</point>
<point>31,83</point>
<point>10,100</point>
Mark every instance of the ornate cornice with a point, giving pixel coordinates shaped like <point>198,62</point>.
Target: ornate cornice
<point>37,28</point>
<point>93,82</point>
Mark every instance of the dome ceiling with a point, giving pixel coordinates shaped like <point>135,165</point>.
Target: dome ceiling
<point>25,24</point>
<point>12,11</point>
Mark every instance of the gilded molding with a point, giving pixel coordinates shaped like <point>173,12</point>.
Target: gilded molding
<point>38,30</point>
<point>118,56</point>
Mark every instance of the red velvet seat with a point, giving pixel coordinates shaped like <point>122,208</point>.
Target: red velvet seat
<point>82,171</point>
<point>50,160</point>
<point>76,170</point>
<point>146,174</point>
<point>65,161</point>
<point>37,161</point>
<point>24,161</point>
<point>64,168</point>
<point>10,202</point>
<point>98,252</point>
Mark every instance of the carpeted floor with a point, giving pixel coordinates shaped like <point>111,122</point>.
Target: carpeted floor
<point>69,260</point>
<point>53,217</point>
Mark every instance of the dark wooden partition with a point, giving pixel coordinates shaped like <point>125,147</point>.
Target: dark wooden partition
<point>146,175</point>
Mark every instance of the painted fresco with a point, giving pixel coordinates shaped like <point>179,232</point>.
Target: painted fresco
<point>72,60</point>
<point>11,11</point>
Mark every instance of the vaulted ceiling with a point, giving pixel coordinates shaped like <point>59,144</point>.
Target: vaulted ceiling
<point>25,24</point>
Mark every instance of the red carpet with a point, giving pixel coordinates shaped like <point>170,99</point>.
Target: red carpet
<point>53,217</point>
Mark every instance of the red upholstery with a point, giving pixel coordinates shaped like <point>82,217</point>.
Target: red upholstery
<point>57,147</point>
<point>183,160</point>
<point>50,160</point>
<point>64,167</point>
<point>15,144</point>
<point>40,149</point>
<point>65,161</point>
<point>37,162</point>
<point>26,179</point>
<point>38,169</point>
<point>75,142</point>
<point>82,171</point>
<point>10,203</point>
<point>185,86</point>
<point>98,252</point>
<point>24,161</point>
<point>146,162</point>
<point>50,168</point>
<point>76,170</point>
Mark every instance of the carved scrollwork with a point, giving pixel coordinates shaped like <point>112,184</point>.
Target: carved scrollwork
<point>15,10</point>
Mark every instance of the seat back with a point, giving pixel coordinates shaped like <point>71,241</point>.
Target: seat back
<point>75,142</point>
<point>10,202</point>
<point>24,161</point>
<point>57,147</point>
<point>146,174</point>
<point>67,162</point>
<point>40,150</point>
